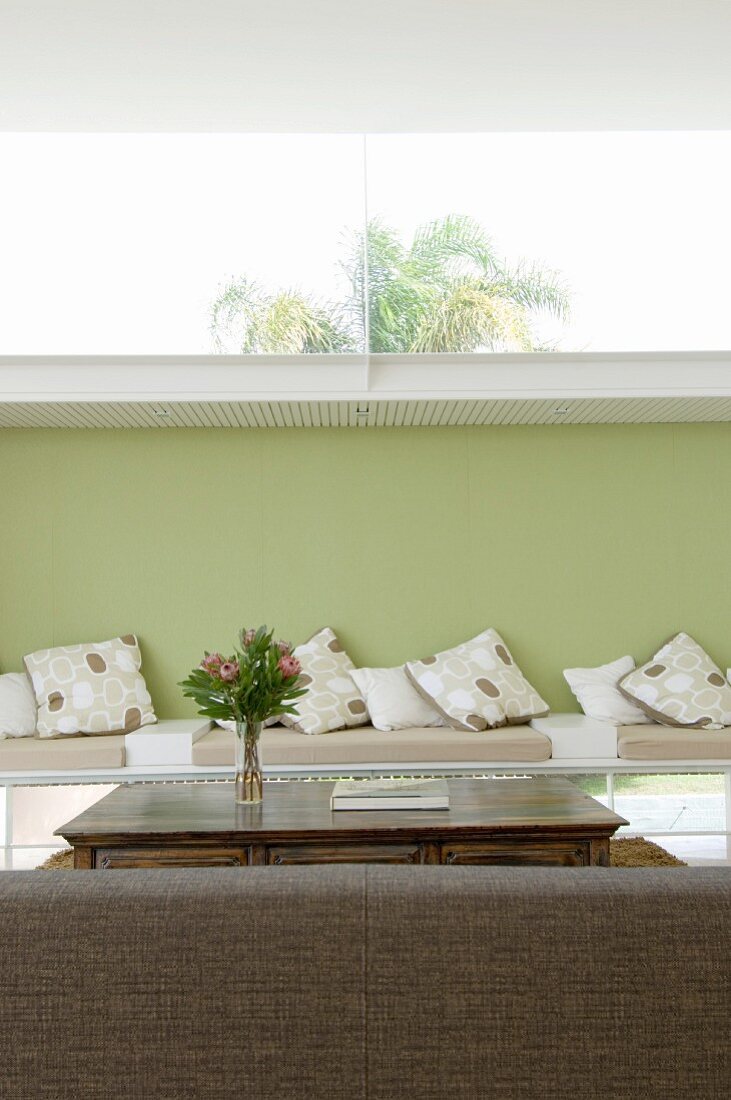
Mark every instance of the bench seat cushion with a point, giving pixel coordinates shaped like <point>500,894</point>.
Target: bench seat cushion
<point>662,743</point>
<point>30,754</point>
<point>367,745</point>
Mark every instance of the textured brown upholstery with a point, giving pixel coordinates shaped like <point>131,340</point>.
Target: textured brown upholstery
<point>152,984</point>
<point>386,983</point>
<point>549,985</point>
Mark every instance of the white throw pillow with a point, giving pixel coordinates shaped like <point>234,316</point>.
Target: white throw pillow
<point>18,711</point>
<point>393,703</point>
<point>599,697</point>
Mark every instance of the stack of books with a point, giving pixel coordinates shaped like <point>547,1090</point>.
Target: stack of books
<point>390,794</point>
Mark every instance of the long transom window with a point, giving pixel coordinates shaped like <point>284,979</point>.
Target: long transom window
<point>333,244</point>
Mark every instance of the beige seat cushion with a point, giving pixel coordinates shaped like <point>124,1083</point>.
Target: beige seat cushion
<point>661,743</point>
<point>369,746</point>
<point>26,754</point>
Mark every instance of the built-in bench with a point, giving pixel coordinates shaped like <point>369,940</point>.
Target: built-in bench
<point>192,750</point>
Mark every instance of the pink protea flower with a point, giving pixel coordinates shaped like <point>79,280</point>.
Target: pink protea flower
<point>285,648</point>
<point>229,671</point>
<point>289,666</point>
<point>211,663</point>
<point>249,637</point>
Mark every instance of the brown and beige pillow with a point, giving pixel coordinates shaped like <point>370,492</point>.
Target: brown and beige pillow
<point>91,689</point>
<point>681,686</point>
<point>477,685</point>
<point>332,701</point>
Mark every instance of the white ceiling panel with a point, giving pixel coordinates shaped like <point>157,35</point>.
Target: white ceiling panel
<point>380,413</point>
<point>364,65</point>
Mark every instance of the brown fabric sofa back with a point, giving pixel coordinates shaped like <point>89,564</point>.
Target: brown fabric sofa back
<point>321,983</point>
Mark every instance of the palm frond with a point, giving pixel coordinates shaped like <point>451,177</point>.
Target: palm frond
<point>292,324</point>
<point>233,312</point>
<point>246,321</point>
<point>469,319</point>
<point>457,244</point>
<point>391,305</point>
<point>535,288</point>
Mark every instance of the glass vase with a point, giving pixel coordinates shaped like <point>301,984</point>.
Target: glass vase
<point>248,782</point>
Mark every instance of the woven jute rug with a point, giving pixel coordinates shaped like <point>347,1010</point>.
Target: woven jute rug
<point>632,852</point>
<point>59,861</point>
<point>638,852</point>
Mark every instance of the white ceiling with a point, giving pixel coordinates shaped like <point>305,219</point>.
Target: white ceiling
<point>363,414</point>
<point>376,65</point>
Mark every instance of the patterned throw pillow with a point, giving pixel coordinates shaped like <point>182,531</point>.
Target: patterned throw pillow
<point>681,686</point>
<point>96,688</point>
<point>332,701</point>
<point>477,685</point>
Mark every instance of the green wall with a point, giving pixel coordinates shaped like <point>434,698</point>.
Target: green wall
<point>579,544</point>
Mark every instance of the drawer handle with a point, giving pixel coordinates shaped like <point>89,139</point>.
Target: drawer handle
<point>451,857</point>
<point>277,859</point>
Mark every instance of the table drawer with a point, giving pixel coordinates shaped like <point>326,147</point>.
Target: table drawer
<point>345,853</point>
<point>115,859</point>
<point>515,853</point>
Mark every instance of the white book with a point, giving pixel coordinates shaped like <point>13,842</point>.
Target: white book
<point>390,794</point>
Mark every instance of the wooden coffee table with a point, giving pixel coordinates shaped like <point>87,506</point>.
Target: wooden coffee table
<point>490,821</point>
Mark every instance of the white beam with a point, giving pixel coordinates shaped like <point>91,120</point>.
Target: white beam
<point>213,378</point>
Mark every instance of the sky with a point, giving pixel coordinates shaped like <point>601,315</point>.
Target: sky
<point>119,243</point>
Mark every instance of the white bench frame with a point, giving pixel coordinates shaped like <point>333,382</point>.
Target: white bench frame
<point>609,768</point>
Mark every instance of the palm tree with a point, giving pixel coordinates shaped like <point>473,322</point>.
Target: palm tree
<point>247,320</point>
<point>447,292</point>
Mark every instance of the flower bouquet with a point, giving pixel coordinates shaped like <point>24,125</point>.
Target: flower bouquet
<point>260,680</point>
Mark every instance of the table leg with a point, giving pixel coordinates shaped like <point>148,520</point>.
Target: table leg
<point>83,859</point>
<point>600,853</point>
